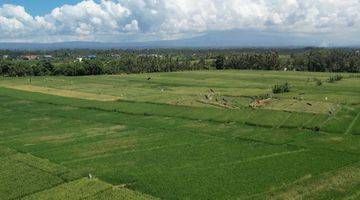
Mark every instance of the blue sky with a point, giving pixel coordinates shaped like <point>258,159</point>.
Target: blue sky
<point>321,21</point>
<point>39,7</point>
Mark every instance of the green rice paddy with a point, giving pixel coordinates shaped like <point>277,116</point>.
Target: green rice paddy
<point>183,135</point>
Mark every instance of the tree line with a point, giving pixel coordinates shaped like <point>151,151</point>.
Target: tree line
<point>321,60</point>
<point>315,60</point>
<point>132,64</point>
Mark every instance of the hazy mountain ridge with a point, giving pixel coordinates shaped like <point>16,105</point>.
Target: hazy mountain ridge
<point>218,39</point>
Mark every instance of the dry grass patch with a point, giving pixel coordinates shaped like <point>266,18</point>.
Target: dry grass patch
<point>300,106</point>
<point>22,102</point>
<point>104,130</point>
<point>50,138</point>
<point>104,147</point>
<point>69,108</point>
<point>63,93</point>
<point>41,119</point>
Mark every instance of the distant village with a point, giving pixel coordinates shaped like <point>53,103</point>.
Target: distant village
<point>74,57</point>
<point>33,57</point>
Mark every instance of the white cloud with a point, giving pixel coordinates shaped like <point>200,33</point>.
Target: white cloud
<point>174,18</point>
<point>14,20</point>
<point>133,26</point>
<point>88,17</point>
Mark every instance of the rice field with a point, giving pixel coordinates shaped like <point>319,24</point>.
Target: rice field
<point>182,135</point>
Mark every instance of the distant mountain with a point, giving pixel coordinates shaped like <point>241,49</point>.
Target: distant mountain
<point>60,45</point>
<point>216,39</point>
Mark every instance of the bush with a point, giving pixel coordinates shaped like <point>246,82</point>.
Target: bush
<point>284,88</point>
<point>262,96</point>
<point>335,78</point>
<point>93,67</point>
<point>318,82</point>
<point>220,62</point>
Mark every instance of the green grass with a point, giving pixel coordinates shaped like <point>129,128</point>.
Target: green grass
<point>336,184</point>
<point>87,189</point>
<point>158,140</point>
<point>23,174</point>
<point>78,189</point>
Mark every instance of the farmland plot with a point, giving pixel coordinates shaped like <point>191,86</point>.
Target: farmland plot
<point>24,176</point>
<point>155,139</point>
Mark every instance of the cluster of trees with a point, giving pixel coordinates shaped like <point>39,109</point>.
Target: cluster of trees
<point>24,68</point>
<point>149,64</point>
<point>326,60</point>
<point>168,60</point>
<point>255,61</point>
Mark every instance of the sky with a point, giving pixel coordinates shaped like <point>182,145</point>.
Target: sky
<point>148,20</point>
<point>39,7</point>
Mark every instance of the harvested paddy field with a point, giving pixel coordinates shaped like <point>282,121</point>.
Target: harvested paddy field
<point>183,135</point>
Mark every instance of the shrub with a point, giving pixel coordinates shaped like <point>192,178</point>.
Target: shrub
<point>262,96</point>
<point>220,62</point>
<point>284,88</point>
<point>335,78</point>
<point>318,82</point>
